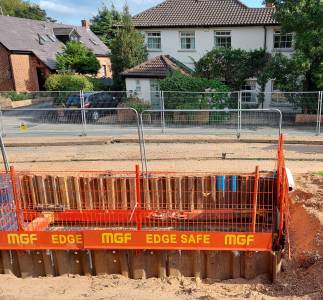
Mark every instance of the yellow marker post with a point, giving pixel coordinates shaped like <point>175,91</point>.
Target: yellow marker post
<point>23,127</point>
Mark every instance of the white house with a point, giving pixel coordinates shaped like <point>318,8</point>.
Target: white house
<point>187,29</point>
<point>142,80</point>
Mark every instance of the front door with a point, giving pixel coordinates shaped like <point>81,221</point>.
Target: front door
<point>155,94</point>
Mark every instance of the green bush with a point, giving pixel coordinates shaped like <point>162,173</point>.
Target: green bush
<point>98,84</point>
<point>68,82</point>
<point>187,92</point>
<point>15,96</point>
<point>137,104</point>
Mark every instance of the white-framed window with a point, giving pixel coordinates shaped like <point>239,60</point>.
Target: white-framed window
<point>138,86</point>
<point>104,71</point>
<point>249,91</point>
<point>187,40</point>
<point>222,39</point>
<point>153,41</point>
<point>283,40</point>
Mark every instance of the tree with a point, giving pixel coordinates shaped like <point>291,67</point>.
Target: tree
<point>77,59</point>
<point>234,66</point>
<point>304,18</point>
<point>23,9</point>
<point>103,24</point>
<point>127,49</point>
<point>289,75</point>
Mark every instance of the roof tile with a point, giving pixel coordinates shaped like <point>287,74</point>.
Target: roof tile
<point>157,67</point>
<point>203,13</point>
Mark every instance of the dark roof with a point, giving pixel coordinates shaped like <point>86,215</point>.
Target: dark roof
<point>203,13</point>
<point>157,67</point>
<point>18,34</point>
<point>63,31</point>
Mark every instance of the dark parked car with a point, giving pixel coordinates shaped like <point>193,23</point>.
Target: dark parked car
<point>93,100</point>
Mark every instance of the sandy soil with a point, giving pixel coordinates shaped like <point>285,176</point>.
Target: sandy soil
<point>196,157</point>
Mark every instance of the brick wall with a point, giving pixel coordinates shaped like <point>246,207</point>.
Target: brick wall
<point>24,72</point>
<point>104,61</point>
<point>6,81</point>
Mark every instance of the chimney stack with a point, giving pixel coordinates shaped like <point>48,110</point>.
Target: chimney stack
<point>269,4</point>
<point>85,24</point>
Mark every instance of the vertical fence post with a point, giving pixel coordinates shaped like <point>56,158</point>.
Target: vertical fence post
<point>255,200</point>
<point>15,196</point>
<point>319,113</point>
<point>4,155</point>
<point>162,102</point>
<point>83,115</point>
<point>138,196</point>
<point>3,133</point>
<point>239,114</point>
<point>282,203</point>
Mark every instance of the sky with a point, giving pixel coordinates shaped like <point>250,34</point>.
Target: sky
<point>72,11</point>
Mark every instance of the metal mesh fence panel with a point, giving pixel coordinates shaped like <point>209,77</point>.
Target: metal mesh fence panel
<point>68,121</point>
<point>299,109</point>
<point>151,202</point>
<point>208,138</point>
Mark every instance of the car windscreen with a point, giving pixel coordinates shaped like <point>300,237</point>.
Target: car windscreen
<point>73,100</point>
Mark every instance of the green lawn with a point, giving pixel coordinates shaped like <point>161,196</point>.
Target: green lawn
<point>320,173</point>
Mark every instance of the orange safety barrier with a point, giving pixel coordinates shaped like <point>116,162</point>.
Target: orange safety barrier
<point>137,210</point>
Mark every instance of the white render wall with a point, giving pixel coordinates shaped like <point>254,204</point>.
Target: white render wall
<point>145,87</point>
<point>247,38</point>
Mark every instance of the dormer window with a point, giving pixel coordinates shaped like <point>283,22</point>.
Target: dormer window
<point>74,37</point>
<point>66,34</point>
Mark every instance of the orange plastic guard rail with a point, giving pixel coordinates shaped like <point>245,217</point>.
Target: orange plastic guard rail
<point>160,240</point>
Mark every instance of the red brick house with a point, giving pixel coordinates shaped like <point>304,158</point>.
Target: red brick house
<point>28,50</point>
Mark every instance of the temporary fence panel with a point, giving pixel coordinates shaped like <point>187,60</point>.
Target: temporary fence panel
<point>210,136</point>
<point>262,122</point>
<point>319,114</point>
<point>68,121</point>
<point>13,99</point>
<point>299,109</point>
<point>29,131</point>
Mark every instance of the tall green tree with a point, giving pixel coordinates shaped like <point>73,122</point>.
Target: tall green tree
<point>23,9</point>
<point>104,23</point>
<point>77,59</point>
<point>233,66</point>
<point>127,49</point>
<point>304,18</point>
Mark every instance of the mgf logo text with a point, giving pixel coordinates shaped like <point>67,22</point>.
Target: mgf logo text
<point>21,239</point>
<point>239,239</point>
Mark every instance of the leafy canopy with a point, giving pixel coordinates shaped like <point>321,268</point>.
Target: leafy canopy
<point>77,59</point>
<point>304,18</point>
<point>233,66</point>
<point>127,49</point>
<point>23,9</point>
<point>103,24</point>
